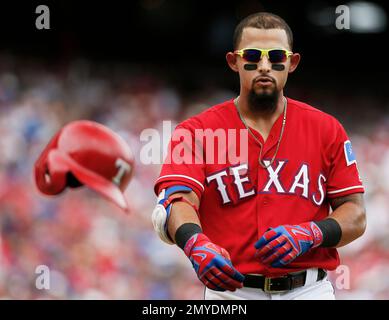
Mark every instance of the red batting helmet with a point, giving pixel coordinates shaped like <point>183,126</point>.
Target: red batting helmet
<point>86,153</point>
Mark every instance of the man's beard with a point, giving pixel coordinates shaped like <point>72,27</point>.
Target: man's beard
<point>264,102</point>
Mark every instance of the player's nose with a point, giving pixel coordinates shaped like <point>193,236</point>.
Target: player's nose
<point>264,65</point>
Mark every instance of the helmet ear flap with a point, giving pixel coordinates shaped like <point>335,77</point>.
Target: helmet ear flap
<point>51,173</point>
<point>55,176</point>
<point>42,169</point>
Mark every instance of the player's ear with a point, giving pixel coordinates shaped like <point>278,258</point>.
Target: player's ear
<point>231,60</point>
<point>294,61</point>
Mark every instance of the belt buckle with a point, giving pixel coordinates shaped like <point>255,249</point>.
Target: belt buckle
<point>268,284</point>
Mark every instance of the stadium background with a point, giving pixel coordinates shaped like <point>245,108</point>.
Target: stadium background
<point>131,67</point>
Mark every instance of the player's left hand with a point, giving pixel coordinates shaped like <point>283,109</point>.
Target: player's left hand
<point>280,246</point>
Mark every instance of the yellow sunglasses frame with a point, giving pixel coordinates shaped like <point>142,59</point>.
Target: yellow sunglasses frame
<point>263,52</point>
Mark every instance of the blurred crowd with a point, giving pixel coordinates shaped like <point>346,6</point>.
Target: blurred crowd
<point>92,249</point>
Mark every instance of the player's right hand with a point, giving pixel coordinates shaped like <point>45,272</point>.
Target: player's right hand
<point>212,264</point>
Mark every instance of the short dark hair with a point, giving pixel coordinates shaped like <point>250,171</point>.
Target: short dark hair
<point>262,20</point>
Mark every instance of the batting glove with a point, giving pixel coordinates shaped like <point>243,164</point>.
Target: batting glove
<point>280,246</point>
<point>212,264</point>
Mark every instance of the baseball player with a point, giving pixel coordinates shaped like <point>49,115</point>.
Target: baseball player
<point>265,227</point>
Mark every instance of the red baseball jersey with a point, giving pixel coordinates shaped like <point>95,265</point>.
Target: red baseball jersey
<point>240,199</point>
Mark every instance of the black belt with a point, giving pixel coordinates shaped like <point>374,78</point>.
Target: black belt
<point>281,284</point>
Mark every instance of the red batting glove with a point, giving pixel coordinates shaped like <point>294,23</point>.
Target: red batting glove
<point>212,264</point>
<point>280,246</point>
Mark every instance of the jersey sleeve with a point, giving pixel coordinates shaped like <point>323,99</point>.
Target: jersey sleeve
<point>343,178</point>
<point>183,164</point>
